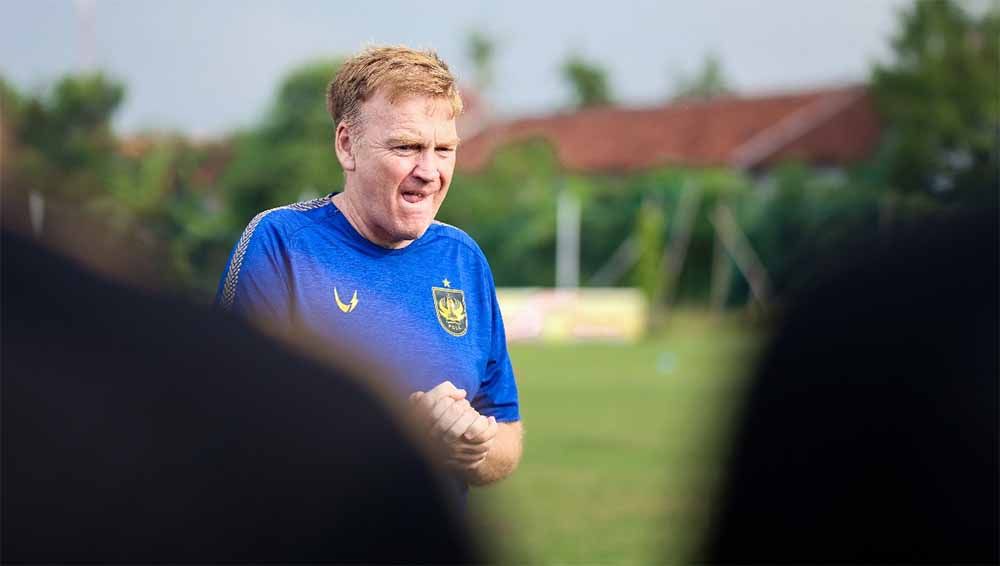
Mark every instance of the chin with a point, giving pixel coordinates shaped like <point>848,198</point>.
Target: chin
<point>414,226</point>
<point>411,231</point>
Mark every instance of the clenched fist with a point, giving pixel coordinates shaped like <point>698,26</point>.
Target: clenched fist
<point>464,435</point>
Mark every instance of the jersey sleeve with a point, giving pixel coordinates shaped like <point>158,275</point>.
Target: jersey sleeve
<point>497,396</point>
<point>255,283</point>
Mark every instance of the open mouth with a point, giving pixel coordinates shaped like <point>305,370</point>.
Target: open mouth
<point>414,197</point>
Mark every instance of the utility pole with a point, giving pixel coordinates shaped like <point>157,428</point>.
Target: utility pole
<point>567,237</point>
<point>87,17</point>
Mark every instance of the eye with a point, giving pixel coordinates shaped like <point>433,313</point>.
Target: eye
<point>407,148</point>
<point>445,150</point>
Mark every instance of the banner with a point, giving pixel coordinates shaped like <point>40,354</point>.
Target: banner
<point>564,315</point>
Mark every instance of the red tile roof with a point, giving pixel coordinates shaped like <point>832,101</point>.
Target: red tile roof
<point>824,127</point>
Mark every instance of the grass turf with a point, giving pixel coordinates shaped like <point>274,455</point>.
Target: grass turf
<point>623,446</point>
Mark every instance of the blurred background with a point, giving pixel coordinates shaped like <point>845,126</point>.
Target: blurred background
<point>651,182</point>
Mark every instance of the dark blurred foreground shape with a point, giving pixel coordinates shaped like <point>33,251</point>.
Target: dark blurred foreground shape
<point>141,429</point>
<point>871,432</point>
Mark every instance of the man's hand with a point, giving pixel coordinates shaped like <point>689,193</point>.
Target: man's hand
<point>467,450</point>
<point>437,407</point>
<point>464,435</point>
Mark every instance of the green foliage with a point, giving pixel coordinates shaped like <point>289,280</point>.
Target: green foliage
<point>588,80</point>
<point>789,217</point>
<point>64,144</point>
<point>290,156</point>
<point>200,245</point>
<point>142,186</point>
<point>940,98</point>
<point>299,112</point>
<point>708,82</point>
<point>650,234</point>
<point>510,210</point>
<point>157,194</point>
<point>798,216</point>
<point>610,210</point>
<point>60,144</point>
<point>10,100</point>
<point>716,186</point>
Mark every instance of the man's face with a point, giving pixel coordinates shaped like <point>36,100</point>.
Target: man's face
<point>404,159</point>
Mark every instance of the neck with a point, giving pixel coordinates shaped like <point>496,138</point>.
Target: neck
<point>350,210</point>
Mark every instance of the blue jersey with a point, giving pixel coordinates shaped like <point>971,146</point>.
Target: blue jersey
<point>429,310</point>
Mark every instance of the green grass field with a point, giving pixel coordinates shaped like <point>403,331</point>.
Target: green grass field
<point>623,445</point>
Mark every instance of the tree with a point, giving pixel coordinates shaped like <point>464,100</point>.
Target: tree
<point>941,99</point>
<point>299,110</point>
<point>289,157</point>
<point>63,138</point>
<point>708,82</point>
<point>481,50</point>
<point>588,80</point>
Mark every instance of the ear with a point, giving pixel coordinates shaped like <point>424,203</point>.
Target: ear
<point>343,145</point>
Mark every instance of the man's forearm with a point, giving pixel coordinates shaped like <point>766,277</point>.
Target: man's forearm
<point>502,458</point>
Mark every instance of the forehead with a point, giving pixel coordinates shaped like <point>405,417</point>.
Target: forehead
<point>413,113</point>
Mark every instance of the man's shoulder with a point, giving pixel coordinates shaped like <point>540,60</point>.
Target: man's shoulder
<point>284,221</point>
<point>458,236</point>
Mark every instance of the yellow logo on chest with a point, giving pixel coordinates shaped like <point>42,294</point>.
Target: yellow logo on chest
<point>449,306</point>
<point>348,307</point>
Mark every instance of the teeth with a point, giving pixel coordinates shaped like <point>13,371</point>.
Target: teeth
<point>412,197</point>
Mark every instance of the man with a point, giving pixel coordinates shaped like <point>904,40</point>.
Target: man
<point>369,267</point>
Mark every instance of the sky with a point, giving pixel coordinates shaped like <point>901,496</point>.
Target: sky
<point>206,67</point>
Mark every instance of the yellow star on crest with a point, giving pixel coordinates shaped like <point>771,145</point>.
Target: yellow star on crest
<point>446,283</point>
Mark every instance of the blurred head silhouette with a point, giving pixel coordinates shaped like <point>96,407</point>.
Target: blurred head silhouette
<point>138,428</point>
<point>870,432</point>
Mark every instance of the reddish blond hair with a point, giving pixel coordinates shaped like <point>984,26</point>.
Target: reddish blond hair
<point>399,70</point>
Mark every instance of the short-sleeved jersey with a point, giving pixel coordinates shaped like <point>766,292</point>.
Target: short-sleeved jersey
<point>428,311</point>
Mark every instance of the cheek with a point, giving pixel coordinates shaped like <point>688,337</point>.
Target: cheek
<point>390,172</point>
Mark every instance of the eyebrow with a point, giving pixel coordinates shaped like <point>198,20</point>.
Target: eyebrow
<point>405,139</point>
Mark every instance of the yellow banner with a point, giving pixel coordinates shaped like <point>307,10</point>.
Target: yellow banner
<point>564,315</point>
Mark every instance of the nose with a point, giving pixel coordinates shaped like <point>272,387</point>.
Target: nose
<point>427,167</point>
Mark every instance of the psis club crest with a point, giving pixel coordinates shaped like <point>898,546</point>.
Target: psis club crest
<point>449,304</point>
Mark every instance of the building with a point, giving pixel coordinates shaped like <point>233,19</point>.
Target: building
<point>825,127</point>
